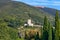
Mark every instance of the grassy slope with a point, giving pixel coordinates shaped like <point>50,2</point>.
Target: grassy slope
<point>23,11</point>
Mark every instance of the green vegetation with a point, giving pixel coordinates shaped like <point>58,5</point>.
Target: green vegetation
<point>45,29</point>
<point>20,11</point>
<point>59,30</point>
<point>49,31</point>
<point>7,33</point>
<point>56,26</point>
<point>14,14</point>
<point>37,36</point>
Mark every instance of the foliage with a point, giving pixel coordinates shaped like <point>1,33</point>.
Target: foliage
<point>59,29</point>
<point>56,26</point>
<point>15,14</point>
<point>45,29</point>
<point>50,31</point>
<point>7,33</point>
<point>15,11</point>
<point>37,36</point>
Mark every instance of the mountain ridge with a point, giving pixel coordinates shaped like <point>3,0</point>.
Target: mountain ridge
<point>51,11</point>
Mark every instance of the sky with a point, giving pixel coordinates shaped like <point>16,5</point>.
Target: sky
<point>46,3</point>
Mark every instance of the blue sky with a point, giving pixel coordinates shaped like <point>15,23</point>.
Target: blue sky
<point>47,3</point>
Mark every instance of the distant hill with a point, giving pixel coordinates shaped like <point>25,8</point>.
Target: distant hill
<point>49,10</point>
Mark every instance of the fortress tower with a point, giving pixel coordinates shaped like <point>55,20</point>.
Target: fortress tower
<point>29,22</point>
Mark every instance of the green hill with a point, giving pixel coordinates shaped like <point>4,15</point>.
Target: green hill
<point>21,11</point>
<point>14,14</point>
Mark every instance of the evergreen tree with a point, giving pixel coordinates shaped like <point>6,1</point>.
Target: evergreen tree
<point>53,33</point>
<point>25,36</point>
<point>37,36</point>
<point>56,26</point>
<point>59,29</point>
<point>45,29</point>
<point>50,32</point>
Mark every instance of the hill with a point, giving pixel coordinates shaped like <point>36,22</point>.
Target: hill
<point>14,14</point>
<point>18,10</point>
<point>49,10</point>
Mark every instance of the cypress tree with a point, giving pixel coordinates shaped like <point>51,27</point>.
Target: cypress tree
<point>53,33</point>
<point>56,26</point>
<point>50,32</point>
<point>45,29</point>
<point>59,29</point>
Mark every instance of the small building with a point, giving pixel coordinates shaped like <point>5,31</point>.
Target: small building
<point>29,23</point>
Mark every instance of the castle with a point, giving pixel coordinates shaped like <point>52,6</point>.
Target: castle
<point>29,23</point>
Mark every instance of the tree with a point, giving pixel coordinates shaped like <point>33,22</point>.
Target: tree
<point>25,35</point>
<point>45,29</point>
<point>56,26</point>
<point>50,32</point>
<point>53,33</point>
<point>59,29</point>
<point>37,36</point>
